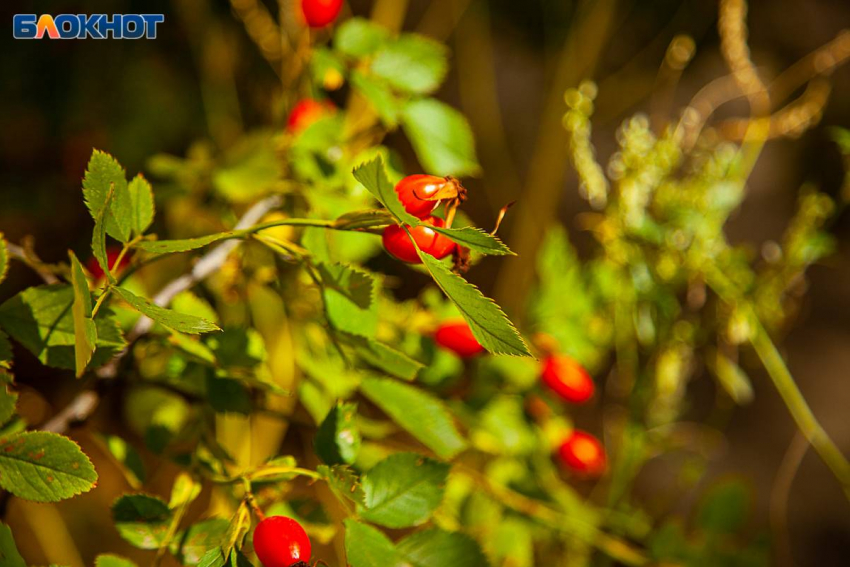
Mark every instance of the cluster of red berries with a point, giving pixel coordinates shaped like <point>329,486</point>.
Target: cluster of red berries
<point>281,542</point>
<point>320,13</point>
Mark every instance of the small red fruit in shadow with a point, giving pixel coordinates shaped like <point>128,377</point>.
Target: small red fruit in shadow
<point>397,243</point>
<point>281,542</point>
<point>456,336</point>
<point>567,378</point>
<point>319,13</point>
<point>307,111</point>
<point>582,453</point>
<point>112,253</point>
<point>414,192</point>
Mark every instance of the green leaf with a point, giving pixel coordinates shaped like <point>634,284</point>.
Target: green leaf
<point>441,137</point>
<point>184,491</point>
<point>4,258</point>
<point>723,510</point>
<point>8,398</point>
<point>212,558</point>
<point>85,331</point>
<point>373,176</point>
<point>142,520</point>
<point>5,352</point>
<point>379,95</point>
<point>9,556</point>
<point>344,481</point>
<point>383,357</point>
<point>98,237</point>
<point>412,63</point>
<point>422,415</point>
<point>110,560</point>
<point>200,538</point>
<point>141,200</point>
<point>489,324</point>
<point>129,459</point>
<point>171,246</point>
<point>367,547</point>
<point>350,297</point>
<point>180,322</point>
<point>44,467</point>
<point>403,490</point>
<point>226,395</point>
<point>104,175</point>
<point>437,548</point>
<point>40,318</point>
<point>359,37</point>
<point>338,438</point>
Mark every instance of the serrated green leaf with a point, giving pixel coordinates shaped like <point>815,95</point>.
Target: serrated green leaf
<point>85,331</point>
<point>110,560</point>
<point>180,322</point>
<point>344,481</point>
<point>40,318</point>
<point>9,556</point>
<point>338,438</point>
<point>359,37</point>
<point>421,414</point>
<point>370,218</point>
<point>373,176</point>
<point>383,356</point>
<point>437,548</point>
<point>4,258</point>
<point>200,538</point>
<point>142,520</point>
<point>380,96</point>
<point>142,204</point>
<point>412,63</point>
<point>489,324</point>
<point>44,467</point>
<point>403,490</point>
<point>104,175</point>
<point>212,558</point>
<point>98,237</point>
<point>367,547</point>
<point>159,247</point>
<point>441,137</point>
<point>350,297</point>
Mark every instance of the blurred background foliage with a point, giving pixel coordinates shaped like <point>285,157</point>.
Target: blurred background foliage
<point>203,84</point>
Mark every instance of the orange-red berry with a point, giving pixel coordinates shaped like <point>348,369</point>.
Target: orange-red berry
<point>319,13</point>
<point>399,244</point>
<point>414,192</point>
<point>307,111</point>
<point>457,337</point>
<point>281,542</point>
<point>567,378</point>
<point>582,453</point>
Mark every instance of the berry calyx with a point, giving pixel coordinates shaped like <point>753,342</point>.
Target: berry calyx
<point>319,13</point>
<point>421,194</point>
<point>456,336</point>
<point>281,542</point>
<point>567,378</point>
<point>582,453</point>
<point>398,243</point>
<point>306,112</point>
<point>112,254</point>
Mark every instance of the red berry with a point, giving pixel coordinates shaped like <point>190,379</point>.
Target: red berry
<point>583,453</point>
<point>397,243</point>
<point>457,337</point>
<point>307,111</point>
<point>567,378</point>
<point>319,13</point>
<point>281,542</point>
<point>112,253</point>
<point>414,192</point>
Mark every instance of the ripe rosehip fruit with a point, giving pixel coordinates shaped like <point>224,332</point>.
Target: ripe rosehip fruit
<point>281,542</point>
<point>583,453</point>
<point>567,378</point>
<point>397,243</point>
<point>456,336</point>
<point>319,13</point>
<point>307,111</point>
<point>414,192</point>
<point>112,253</point>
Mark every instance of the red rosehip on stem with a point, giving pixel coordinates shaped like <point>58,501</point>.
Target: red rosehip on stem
<point>582,453</point>
<point>281,542</point>
<point>420,194</point>
<point>397,242</point>
<point>567,378</point>
<point>456,336</point>
<point>319,13</point>
<point>307,111</point>
<point>112,253</point>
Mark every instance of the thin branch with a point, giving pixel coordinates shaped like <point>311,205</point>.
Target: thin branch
<point>28,257</point>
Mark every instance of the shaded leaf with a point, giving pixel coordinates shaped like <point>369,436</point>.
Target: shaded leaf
<point>9,556</point>
<point>181,322</point>
<point>142,205</point>
<point>437,548</point>
<point>350,297</point>
<point>338,438</point>
<point>344,481</point>
<point>379,95</point>
<point>200,538</point>
<point>85,332</point>
<point>142,520</point>
<point>367,547</point>
<point>186,244</point>
<point>4,258</point>
<point>383,356</point>
<point>441,137</point>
